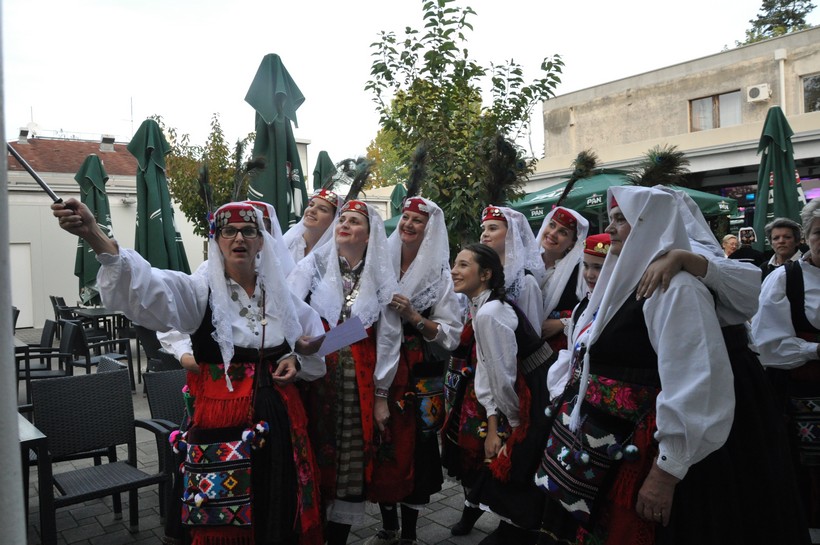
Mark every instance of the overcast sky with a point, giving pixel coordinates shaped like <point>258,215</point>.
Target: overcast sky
<point>88,67</point>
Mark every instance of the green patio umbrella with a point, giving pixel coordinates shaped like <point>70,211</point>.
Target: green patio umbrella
<point>777,177</point>
<point>157,238</point>
<point>92,178</point>
<point>397,199</point>
<point>324,170</point>
<point>275,97</point>
<point>588,196</point>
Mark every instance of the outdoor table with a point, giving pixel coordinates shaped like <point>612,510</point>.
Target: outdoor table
<point>98,314</point>
<point>32,438</point>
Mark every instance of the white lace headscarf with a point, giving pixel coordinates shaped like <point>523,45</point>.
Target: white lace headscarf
<point>521,252</point>
<point>656,227</point>
<point>280,248</point>
<point>427,276</point>
<point>319,274</point>
<point>701,238</point>
<point>270,277</point>
<point>563,270</point>
<point>296,232</point>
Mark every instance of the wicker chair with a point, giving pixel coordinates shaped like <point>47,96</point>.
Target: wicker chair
<point>167,406</point>
<point>107,364</point>
<point>88,354</point>
<point>89,412</point>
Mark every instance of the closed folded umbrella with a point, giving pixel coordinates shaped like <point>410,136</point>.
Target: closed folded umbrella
<point>275,97</point>
<point>777,178</point>
<point>92,178</point>
<point>157,238</point>
<point>324,170</point>
<point>397,199</point>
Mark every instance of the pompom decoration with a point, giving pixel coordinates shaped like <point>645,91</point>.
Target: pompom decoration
<point>177,441</point>
<point>631,452</point>
<point>467,371</point>
<point>548,411</point>
<point>256,435</point>
<point>581,456</point>
<point>615,452</point>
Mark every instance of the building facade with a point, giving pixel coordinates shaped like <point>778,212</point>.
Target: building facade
<point>712,108</point>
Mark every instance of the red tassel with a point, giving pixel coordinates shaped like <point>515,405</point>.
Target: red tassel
<point>221,535</point>
<point>500,466</point>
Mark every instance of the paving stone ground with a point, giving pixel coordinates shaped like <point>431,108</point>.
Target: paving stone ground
<point>93,523</point>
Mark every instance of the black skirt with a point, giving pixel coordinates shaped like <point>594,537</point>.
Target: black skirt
<point>745,492</point>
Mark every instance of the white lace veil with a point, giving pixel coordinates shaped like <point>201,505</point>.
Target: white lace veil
<point>700,235</point>
<point>563,270</point>
<point>656,228</point>
<point>521,253</point>
<point>428,274</point>
<point>295,234</point>
<point>271,277</point>
<point>319,275</point>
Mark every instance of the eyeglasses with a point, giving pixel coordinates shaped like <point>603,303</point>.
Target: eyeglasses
<point>231,232</point>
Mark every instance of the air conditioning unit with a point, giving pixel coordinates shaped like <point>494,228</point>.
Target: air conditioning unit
<point>758,93</point>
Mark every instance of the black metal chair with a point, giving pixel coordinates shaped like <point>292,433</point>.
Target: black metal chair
<point>88,412</point>
<point>45,355</point>
<point>15,313</point>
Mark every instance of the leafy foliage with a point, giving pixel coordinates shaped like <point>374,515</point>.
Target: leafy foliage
<point>778,17</point>
<point>428,92</point>
<point>226,171</point>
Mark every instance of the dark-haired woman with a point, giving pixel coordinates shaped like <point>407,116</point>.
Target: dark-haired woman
<point>510,383</point>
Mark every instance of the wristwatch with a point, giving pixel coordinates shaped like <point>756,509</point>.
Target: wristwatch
<point>420,325</point>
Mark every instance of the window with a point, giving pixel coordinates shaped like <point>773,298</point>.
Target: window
<point>811,93</point>
<point>714,111</point>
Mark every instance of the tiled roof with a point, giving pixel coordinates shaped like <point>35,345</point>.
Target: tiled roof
<point>49,155</point>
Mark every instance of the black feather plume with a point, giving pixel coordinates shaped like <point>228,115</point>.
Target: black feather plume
<point>582,167</point>
<point>362,173</point>
<point>205,191</point>
<point>417,171</point>
<point>239,171</point>
<point>661,165</point>
<point>502,163</point>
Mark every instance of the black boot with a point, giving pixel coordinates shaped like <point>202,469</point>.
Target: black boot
<point>469,516</point>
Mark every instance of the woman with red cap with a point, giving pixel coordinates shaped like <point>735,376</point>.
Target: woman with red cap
<point>313,229</point>
<point>243,323</point>
<point>351,277</point>
<point>561,238</point>
<point>508,233</point>
<point>431,318</point>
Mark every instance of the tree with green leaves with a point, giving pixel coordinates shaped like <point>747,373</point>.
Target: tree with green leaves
<point>227,170</point>
<point>778,17</point>
<point>428,92</point>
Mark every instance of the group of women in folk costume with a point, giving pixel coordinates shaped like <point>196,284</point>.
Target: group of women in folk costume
<point>645,364</point>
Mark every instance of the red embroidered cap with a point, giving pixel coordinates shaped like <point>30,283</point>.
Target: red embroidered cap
<point>356,206</point>
<point>417,205</point>
<point>326,195</point>
<point>597,245</point>
<point>565,218</point>
<point>234,212</point>
<point>492,213</point>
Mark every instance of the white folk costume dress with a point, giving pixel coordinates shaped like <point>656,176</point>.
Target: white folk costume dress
<point>510,382</point>
<point>252,333</point>
<point>523,267</point>
<point>655,381</point>
<point>294,238</point>
<point>786,330</point>
<point>563,286</point>
<point>340,407</point>
<point>413,473</point>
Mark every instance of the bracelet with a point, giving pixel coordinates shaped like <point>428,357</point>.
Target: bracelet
<point>381,392</point>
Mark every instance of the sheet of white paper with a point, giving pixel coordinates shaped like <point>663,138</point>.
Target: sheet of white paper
<point>344,334</point>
